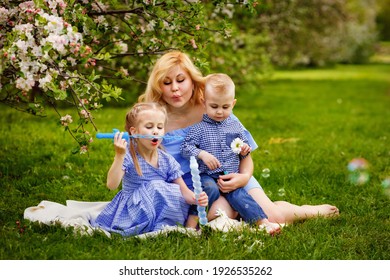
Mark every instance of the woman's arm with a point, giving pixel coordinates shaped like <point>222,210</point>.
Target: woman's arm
<point>233,181</point>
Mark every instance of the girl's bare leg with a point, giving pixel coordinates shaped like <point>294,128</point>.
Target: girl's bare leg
<point>285,212</point>
<point>192,221</point>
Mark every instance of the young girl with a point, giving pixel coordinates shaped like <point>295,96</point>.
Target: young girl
<point>153,193</point>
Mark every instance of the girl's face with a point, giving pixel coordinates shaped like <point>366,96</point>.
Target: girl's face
<point>177,88</point>
<point>150,123</point>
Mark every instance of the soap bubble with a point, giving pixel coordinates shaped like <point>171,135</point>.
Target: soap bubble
<point>265,172</point>
<point>386,186</point>
<point>358,164</point>
<point>281,192</point>
<point>358,171</point>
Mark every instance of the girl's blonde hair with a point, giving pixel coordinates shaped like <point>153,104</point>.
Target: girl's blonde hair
<point>165,64</point>
<point>132,118</point>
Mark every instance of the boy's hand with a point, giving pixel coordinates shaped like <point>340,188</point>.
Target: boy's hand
<point>211,161</point>
<point>120,144</point>
<point>203,199</point>
<point>245,149</point>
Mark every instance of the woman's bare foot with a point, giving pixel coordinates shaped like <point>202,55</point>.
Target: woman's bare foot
<point>323,210</point>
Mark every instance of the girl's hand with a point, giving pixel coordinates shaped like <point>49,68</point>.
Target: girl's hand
<point>232,181</point>
<point>203,199</point>
<point>120,144</point>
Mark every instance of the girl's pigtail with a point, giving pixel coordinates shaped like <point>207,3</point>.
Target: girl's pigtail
<point>133,154</point>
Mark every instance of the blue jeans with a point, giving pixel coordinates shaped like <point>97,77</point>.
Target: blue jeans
<point>239,199</point>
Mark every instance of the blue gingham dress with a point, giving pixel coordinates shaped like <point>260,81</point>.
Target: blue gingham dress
<point>146,203</point>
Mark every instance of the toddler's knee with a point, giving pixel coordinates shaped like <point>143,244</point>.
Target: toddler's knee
<point>211,189</point>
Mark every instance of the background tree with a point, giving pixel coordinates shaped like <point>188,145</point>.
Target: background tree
<point>319,32</point>
<point>81,54</point>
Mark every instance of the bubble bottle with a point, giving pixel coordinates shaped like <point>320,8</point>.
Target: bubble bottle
<point>197,189</point>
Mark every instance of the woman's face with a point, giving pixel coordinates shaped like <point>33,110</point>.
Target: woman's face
<point>177,88</point>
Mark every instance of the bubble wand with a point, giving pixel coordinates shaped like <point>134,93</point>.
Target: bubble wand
<point>126,136</point>
<point>197,190</point>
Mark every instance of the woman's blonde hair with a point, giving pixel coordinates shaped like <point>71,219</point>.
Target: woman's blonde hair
<point>132,118</point>
<point>163,65</point>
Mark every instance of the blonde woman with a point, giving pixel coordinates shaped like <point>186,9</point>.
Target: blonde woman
<point>176,83</point>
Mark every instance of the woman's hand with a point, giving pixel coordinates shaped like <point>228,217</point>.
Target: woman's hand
<point>232,181</point>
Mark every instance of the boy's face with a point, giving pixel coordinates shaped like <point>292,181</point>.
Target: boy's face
<point>219,106</point>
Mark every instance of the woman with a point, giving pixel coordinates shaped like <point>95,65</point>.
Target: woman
<point>179,85</point>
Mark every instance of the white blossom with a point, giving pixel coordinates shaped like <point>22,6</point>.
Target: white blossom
<point>236,145</point>
<point>44,81</point>
<point>25,84</point>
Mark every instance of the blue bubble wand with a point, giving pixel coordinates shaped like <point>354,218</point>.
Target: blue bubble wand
<point>197,189</point>
<point>126,136</point>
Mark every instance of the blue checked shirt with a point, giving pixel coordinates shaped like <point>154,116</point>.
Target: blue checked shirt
<point>215,138</point>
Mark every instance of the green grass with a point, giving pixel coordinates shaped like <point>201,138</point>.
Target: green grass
<point>336,114</point>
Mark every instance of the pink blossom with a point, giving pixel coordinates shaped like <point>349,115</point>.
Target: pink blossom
<point>193,43</point>
<point>84,113</point>
<point>66,120</point>
<point>83,149</point>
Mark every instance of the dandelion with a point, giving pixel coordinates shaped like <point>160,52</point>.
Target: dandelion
<point>236,145</point>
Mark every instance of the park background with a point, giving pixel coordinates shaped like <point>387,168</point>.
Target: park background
<point>312,83</point>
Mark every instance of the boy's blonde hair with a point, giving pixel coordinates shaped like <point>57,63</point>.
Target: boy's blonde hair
<point>132,118</point>
<point>220,83</point>
<point>165,64</point>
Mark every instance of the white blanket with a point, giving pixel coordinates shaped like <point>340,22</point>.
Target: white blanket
<point>79,214</point>
<point>76,214</point>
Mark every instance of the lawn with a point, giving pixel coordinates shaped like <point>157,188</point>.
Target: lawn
<point>309,125</point>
